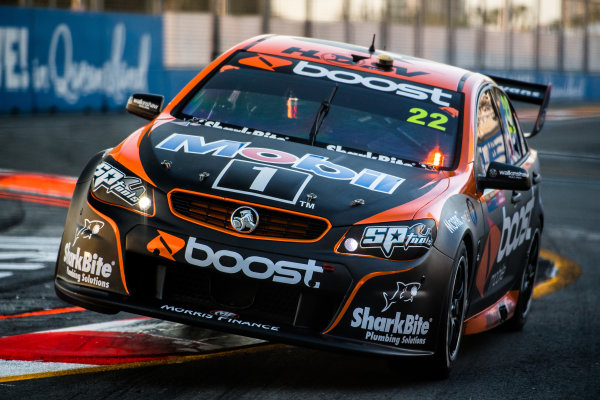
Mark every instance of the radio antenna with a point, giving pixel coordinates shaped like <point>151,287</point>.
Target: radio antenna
<point>372,48</point>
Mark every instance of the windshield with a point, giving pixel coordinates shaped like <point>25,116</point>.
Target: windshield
<point>358,111</point>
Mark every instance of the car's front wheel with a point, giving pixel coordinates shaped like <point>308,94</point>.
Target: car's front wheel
<point>453,315</point>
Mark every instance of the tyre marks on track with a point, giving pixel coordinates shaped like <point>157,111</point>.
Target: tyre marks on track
<point>130,343</point>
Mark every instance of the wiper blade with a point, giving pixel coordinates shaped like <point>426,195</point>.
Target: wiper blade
<point>321,114</point>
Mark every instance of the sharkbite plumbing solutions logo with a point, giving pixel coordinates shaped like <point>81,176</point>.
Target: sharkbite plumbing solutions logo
<point>402,328</point>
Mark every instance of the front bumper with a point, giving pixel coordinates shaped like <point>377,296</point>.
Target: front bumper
<point>102,301</point>
<point>299,293</point>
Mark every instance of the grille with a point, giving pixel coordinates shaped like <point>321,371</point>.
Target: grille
<point>203,290</point>
<point>275,224</point>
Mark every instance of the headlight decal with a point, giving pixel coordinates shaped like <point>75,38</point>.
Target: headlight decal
<point>396,241</point>
<point>127,188</point>
<point>112,185</point>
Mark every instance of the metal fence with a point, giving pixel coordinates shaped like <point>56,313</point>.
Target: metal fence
<point>520,35</point>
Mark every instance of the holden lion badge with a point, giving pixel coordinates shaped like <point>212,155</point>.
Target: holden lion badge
<point>244,219</point>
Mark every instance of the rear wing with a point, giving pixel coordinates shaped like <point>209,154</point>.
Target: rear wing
<point>529,93</point>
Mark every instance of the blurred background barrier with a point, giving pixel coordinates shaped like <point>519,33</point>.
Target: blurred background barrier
<point>73,55</point>
<point>65,60</point>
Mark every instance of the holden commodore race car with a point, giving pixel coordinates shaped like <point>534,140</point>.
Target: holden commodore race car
<point>317,193</point>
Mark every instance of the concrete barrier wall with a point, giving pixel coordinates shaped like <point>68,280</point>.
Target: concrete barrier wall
<point>56,60</point>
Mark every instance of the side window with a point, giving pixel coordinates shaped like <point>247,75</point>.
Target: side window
<point>514,144</point>
<point>490,143</point>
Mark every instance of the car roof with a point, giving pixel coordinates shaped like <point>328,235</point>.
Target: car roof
<point>341,54</point>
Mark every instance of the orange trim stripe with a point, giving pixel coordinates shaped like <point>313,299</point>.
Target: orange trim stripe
<point>490,317</point>
<point>408,210</point>
<point>44,312</point>
<point>247,236</point>
<point>353,294</point>
<point>127,153</point>
<point>118,237</point>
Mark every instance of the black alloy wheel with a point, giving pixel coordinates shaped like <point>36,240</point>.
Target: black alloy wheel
<point>454,315</point>
<point>517,322</point>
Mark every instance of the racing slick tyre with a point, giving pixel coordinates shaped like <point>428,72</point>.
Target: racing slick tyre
<point>453,315</point>
<point>517,322</point>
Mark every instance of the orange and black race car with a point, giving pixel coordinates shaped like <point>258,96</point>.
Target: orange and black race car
<point>317,193</point>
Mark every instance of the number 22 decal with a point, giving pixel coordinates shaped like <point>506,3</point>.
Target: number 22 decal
<point>437,119</point>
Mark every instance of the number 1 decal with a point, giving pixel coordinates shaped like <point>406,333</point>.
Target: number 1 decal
<point>437,119</point>
<point>260,180</point>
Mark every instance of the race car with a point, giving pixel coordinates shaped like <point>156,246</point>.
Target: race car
<point>317,193</point>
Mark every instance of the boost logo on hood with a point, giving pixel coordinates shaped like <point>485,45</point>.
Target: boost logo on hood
<point>255,267</point>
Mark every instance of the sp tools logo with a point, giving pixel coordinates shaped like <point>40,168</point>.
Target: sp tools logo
<point>88,229</point>
<point>387,238</point>
<point>127,188</point>
<point>165,245</point>
<point>404,292</point>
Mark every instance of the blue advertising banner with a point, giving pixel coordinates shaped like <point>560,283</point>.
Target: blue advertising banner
<point>57,60</point>
<point>63,60</point>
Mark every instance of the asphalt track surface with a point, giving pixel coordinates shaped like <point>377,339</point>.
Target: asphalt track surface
<point>557,356</point>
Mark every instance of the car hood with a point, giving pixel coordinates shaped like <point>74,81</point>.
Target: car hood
<point>261,168</point>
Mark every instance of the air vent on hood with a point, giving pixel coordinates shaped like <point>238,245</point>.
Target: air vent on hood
<point>274,224</point>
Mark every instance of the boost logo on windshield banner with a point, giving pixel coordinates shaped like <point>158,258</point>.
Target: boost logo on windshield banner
<point>351,77</point>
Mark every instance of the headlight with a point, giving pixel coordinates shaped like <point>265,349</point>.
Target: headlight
<point>395,241</point>
<point>119,187</point>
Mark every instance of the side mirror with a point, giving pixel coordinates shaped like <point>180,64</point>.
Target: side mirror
<point>505,176</point>
<point>144,105</point>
